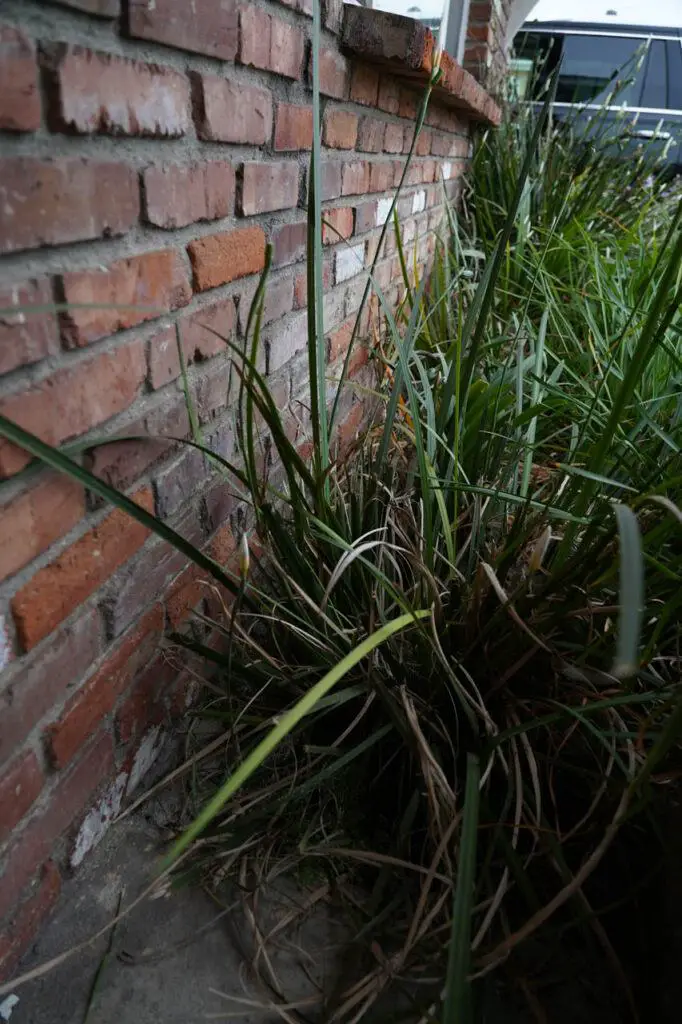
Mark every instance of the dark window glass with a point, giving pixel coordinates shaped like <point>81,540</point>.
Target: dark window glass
<point>655,91</point>
<point>592,67</point>
<point>674,75</point>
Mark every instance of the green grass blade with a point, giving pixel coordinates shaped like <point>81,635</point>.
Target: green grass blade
<point>631,594</point>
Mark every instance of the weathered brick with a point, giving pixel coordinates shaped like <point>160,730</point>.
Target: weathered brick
<point>37,681</point>
<point>180,482</point>
<point>364,85</point>
<point>289,243</point>
<point>19,91</point>
<point>348,261</point>
<point>26,337</point>
<point>73,400</point>
<point>408,101</point>
<point>68,799</point>
<point>340,129</point>
<point>45,202</point>
<point>293,127</point>
<point>33,520</point>
<point>389,95</point>
<point>330,180</point>
<point>355,178</point>
<point>270,43</point>
<point>228,111</point>
<point>55,591</point>
<point>217,259</point>
<point>210,28</point>
<point>25,923</point>
<point>365,217</point>
<point>176,196</point>
<point>96,698</point>
<point>301,285</point>
<point>20,786</point>
<point>268,186</point>
<point>143,707</point>
<point>371,135</point>
<point>138,584</point>
<point>338,226</point>
<point>286,340</point>
<point>212,392</point>
<point>98,92</point>
<point>393,138</point>
<point>334,74</point>
<point>278,300</point>
<point>125,294</point>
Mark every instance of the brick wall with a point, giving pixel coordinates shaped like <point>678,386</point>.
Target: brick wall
<point>485,52</point>
<point>147,157</point>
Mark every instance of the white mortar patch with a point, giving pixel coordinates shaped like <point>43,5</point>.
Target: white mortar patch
<point>349,262</point>
<point>419,202</point>
<point>97,821</point>
<point>146,755</point>
<point>383,210</point>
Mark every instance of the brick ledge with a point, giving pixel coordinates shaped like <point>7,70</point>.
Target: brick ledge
<point>407,47</point>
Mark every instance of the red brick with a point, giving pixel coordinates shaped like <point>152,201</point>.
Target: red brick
<point>339,225</point>
<point>56,590</point>
<point>127,293</point>
<point>389,95</point>
<point>204,334</point>
<point>393,138</point>
<point>46,202</point>
<point>37,681</point>
<point>272,44</point>
<point>278,300</point>
<point>409,103</point>
<point>217,259</point>
<point>26,337</point>
<point>231,112</point>
<point>423,146</point>
<point>301,285</point>
<point>334,76</point>
<point>73,400</point>
<point>176,195</point>
<point>68,799</point>
<point>268,186</point>
<point>288,45</point>
<point>33,520</point>
<point>199,336</point>
<point>371,135</point>
<point>293,127</point>
<point>20,787</point>
<point>381,177</point>
<point>210,28</point>
<point>23,927</point>
<point>340,129</point>
<point>184,595</point>
<point>96,698</point>
<point>355,179</point>
<point>19,91</point>
<point>100,93</point>
<point>364,85</point>
<point>339,340</point>
<point>289,243</point>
